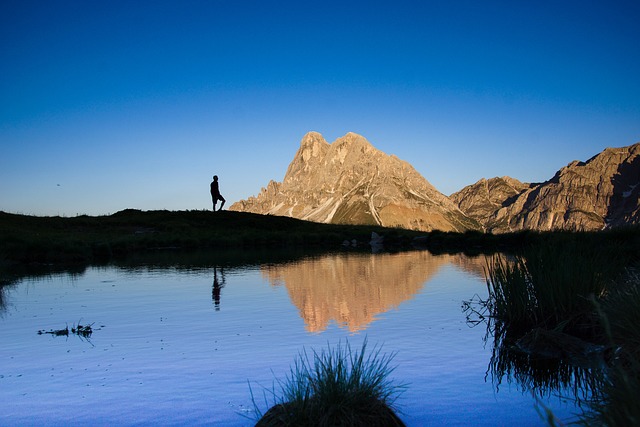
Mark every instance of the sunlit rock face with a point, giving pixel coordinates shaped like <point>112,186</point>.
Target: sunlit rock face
<point>602,192</point>
<point>351,182</point>
<point>482,199</point>
<point>352,290</point>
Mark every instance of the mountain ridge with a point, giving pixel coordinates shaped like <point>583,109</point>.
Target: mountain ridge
<point>349,181</point>
<point>601,192</point>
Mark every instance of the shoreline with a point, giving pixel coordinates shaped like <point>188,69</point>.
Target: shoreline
<point>44,243</point>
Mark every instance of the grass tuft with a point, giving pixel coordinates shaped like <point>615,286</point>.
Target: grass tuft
<point>335,387</point>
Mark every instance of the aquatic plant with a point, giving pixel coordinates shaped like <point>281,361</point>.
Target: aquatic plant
<point>335,387</point>
<point>551,286</point>
<point>56,332</point>
<point>562,318</point>
<point>616,403</point>
<point>83,331</point>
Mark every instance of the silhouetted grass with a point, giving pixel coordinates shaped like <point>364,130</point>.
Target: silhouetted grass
<point>552,285</point>
<point>577,284</point>
<point>336,387</point>
<point>616,403</point>
<point>83,239</point>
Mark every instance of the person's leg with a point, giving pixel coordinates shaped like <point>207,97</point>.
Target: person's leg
<point>223,200</point>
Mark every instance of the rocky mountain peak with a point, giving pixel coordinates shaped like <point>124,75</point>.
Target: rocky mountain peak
<point>351,148</point>
<point>313,141</point>
<point>482,199</point>
<point>353,141</point>
<point>351,182</point>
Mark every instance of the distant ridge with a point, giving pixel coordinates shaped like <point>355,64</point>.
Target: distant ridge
<point>351,182</point>
<point>593,195</point>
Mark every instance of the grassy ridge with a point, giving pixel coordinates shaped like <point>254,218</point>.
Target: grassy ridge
<point>85,239</point>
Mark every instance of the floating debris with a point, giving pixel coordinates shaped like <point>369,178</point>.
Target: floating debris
<point>83,331</point>
<point>56,332</point>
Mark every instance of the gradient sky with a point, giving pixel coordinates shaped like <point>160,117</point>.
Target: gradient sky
<point>112,105</point>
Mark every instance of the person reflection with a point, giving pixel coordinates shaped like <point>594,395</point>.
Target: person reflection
<point>217,287</point>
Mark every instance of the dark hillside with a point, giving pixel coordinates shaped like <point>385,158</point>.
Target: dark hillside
<point>85,239</point>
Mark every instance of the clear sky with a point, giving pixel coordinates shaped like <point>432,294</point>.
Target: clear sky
<point>108,105</point>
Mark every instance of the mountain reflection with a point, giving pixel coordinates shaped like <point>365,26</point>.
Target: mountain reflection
<point>353,289</point>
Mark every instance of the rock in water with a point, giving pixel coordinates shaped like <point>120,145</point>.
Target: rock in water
<point>351,182</point>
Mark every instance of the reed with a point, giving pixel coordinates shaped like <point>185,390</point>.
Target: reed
<point>616,404</point>
<point>552,286</point>
<point>511,295</point>
<point>576,289</point>
<point>334,387</point>
<point>621,313</point>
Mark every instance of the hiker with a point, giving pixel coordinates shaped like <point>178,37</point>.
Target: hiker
<point>215,193</point>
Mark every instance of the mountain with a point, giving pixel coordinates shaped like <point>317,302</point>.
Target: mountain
<point>351,182</point>
<point>602,192</point>
<point>482,199</point>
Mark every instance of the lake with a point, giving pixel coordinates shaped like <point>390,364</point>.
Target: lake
<point>180,345</point>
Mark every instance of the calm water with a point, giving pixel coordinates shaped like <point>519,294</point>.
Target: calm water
<point>179,346</point>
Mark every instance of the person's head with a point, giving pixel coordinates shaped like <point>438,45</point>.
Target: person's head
<point>215,177</point>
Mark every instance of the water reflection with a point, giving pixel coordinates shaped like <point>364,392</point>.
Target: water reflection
<point>162,315</point>
<point>218,284</point>
<point>476,266</point>
<point>538,369</point>
<point>353,289</point>
<point>543,377</point>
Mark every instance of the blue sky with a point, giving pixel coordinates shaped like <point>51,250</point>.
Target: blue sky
<point>112,105</point>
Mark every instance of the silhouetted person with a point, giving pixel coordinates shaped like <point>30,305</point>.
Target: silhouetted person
<point>215,193</point>
<point>217,287</point>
